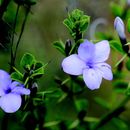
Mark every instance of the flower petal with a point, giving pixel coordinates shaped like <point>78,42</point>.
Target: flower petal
<point>73,65</point>
<point>5,80</point>
<point>102,50</point>
<point>86,50</point>
<point>21,91</point>
<point>105,70</point>
<point>10,102</point>
<point>15,84</point>
<point>92,78</point>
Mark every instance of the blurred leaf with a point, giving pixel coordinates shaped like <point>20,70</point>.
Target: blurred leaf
<point>116,9</point>
<point>51,123</point>
<point>116,46</point>
<point>102,102</point>
<point>74,124</point>
<point>17,76</point>
<point>120,124</point>
<point>128,64</point>
<point>128,25</point>
<point>81,104</point>
<point>27,61</point>
<point>91,119</point>
<point>120,86</point>
<point>59,45</point>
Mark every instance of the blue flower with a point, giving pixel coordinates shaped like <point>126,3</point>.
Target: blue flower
<point>10,93</point>
<point>120,27</point>
<point>90,62</point>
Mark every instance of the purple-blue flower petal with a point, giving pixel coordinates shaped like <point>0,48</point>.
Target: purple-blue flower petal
<point>86,50</point>
<point>15,84</point>
<point>21,91</point>
<point>5,80</point>
<point>105,70</point>
<point>102,51</point>
<point>73,65</point>
<point>92,78</point>
<point>10,102</point>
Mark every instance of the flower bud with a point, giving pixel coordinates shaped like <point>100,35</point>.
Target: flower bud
<point>119,27</point>
<point>128,2</point>
<point>68,47</point>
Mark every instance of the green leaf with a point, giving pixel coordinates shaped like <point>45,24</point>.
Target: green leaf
<point>76,15</point>
<point>74,124</point>
<point>102,102</point>
<point>128,64</point>
<point>116,46</point>
<point>38,69</point>
<point>116,9</point>
<point>120,86</point>
<point>84,22</point>
<point>69,24</point>
<point>81,104</point>
<point>17,76</point>
<point>27,61</point>
<point>52,123</point>
<point>128,25</point>
<point>59,45</point>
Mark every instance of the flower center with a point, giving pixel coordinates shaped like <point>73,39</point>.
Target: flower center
<point>8,90</point>
<point>90,65</point>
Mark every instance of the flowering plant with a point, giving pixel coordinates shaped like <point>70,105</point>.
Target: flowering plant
<point>33,97</point>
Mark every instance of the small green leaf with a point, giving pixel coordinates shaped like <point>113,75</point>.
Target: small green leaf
<point>59,45</point>
<point>38,65</point>
<point>74,124</point>
<point>69,24</point>
<point>17,77</point>
<point>27,61</point>
<point>38,69</point>
<point>38,72</point>
<point>84,22</point>
<point>81,104</point>
<point>116,46</point>
<point>52,123</point>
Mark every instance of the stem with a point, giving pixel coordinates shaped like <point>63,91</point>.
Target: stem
<point>113,113</point>
<point>22,29</point>
<point>12,41</point>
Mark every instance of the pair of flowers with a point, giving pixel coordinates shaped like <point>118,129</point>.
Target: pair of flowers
<point>90,60</point>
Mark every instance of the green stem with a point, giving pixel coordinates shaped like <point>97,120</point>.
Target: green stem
<point>22,29</point>
<point>113,113</point>
<point>12,41</point>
